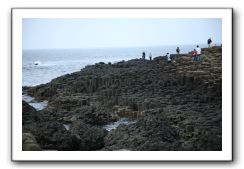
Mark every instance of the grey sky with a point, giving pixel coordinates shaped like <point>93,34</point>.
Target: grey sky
<point>93,33</point>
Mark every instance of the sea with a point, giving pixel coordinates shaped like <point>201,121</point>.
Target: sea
<point>41,66</point>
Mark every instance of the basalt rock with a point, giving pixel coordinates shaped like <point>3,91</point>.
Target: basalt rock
<point>29,143</point>
<point>152,132</point>
<point>79,136</point>
<point>29,114</point>
<point>178,105</point>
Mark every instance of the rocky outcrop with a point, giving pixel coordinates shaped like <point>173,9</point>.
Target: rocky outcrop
<point>51,132</point>
<point>29,114</point>
<point>152,132</point>
<point>177,106</point>
<point>29,143</point>
<point>80,136</point>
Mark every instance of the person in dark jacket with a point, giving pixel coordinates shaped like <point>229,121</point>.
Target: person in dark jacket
<point>143,55</point>
<point>209,42</point>
<point>178,50</point>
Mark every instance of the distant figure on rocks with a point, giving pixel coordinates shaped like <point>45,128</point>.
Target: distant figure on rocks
<point>209,42</point>
<point>143,55</point>
<point>194,55</point>
<point>169,58</point>
<point>150,56</point>
<point>198,49</point>
<point>178,50</point>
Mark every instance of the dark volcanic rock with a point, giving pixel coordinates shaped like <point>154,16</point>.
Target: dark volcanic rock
<point>152,132</point>
<point>95,115</point>
<point>49,132</point>
<point>89,137</point>
<point>178,106</point>
<point>29,143</point>
<point>29,114</point>
<point>80,136</point>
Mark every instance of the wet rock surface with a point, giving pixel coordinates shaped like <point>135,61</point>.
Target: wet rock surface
<point>176,106</point>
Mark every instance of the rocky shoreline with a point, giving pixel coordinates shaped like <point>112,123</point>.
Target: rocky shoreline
<point>175,107</point>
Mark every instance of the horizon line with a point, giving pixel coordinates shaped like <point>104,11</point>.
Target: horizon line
<point>105,47</point>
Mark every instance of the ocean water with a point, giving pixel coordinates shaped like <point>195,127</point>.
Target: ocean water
<point>41,66</point>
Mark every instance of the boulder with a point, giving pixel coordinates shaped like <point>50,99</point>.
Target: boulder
<point>29,114</point>
<point>29,143</point>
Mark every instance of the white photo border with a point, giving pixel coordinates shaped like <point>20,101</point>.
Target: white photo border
<point>224,13</point>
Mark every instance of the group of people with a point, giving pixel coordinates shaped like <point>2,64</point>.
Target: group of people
<point>169,57</point>
<point>144,56</point>
<point>196,53</point>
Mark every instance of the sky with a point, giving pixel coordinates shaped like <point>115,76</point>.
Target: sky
<point>40,33</point>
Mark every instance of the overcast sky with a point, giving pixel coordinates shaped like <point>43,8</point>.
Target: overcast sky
<point>94,33</point>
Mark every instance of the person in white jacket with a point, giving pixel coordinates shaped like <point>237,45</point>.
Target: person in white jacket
<point>198,49</point>
<point>169,58</point>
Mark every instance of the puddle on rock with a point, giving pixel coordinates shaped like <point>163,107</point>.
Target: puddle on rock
<point>37,105</point>
<point>114,125</point>
<point>67,126</point>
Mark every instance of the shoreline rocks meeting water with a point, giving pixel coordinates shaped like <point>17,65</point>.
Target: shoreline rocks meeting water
<point>156,106</point>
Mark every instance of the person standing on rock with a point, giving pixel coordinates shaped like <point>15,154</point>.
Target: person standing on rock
<point>209,42</point>
<point>169,58</point>
<point>150,56</point>
<point>198,49</point>
<point>143,55</point>
<point>194,55</point>
<point>178,50</point>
